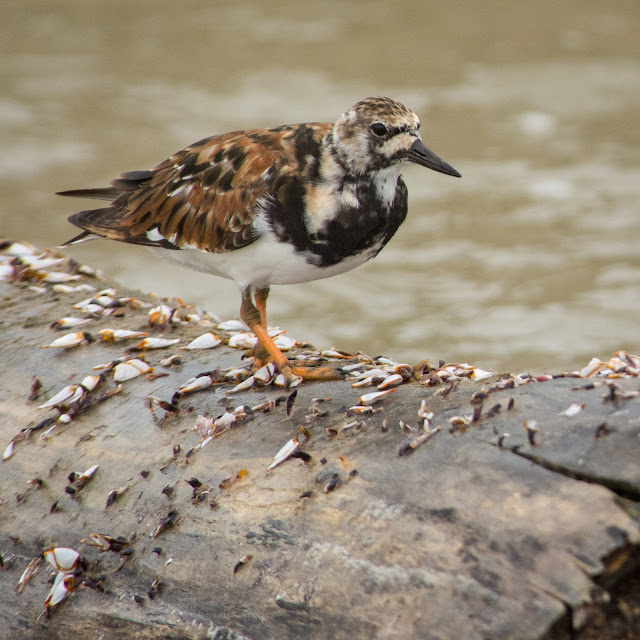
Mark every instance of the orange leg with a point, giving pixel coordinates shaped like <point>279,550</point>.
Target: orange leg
<point>255,316</point>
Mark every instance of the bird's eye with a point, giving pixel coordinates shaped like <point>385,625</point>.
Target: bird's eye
<point>379,129</point>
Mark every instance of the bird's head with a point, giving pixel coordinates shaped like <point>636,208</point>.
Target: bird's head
<point>377,133</point>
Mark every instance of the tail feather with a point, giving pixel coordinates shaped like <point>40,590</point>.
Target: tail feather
<point>110,223</point>
<point>113,222</point>
<point>81,237</point>
<point>104,193</point>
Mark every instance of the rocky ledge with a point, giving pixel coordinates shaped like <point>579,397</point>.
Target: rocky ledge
<point>156,489</point>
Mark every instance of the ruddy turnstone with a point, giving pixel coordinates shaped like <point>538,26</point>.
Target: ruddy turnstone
<point>273,206</point>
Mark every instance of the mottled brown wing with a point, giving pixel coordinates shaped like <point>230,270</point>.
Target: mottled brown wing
<point>206,196</point>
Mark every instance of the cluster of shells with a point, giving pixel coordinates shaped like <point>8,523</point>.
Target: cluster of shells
<point>46,271</point>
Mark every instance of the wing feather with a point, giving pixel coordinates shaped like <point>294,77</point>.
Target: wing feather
<point>206,196</point>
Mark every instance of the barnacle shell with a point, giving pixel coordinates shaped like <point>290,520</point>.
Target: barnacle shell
<point>68,341</point>
<point>130,369</point>
<point>62,558</point>
<point>205,341</point>
<point>157,343</point>
<point>284,453</point>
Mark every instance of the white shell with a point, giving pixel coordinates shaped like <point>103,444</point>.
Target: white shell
<point>573,410</point>
<point>130,369</point>
<point>376,396</point>
<point>358,408</point>
<point>242,341</point>
<point>8,452</point>
<point>82,304</point>
<point>157,343</point>
<point>62,558</point>
<point>41,263</point>
<point>284,343</point>
<point>205,341</point>
<point>91,470</point>
<point>59,590</point>
<point>67,341</point>
<point>196,384</point>
<point>60,397</point>
<point>89,271</point>
<point>392,381</point>
<point>167,362</point>
<point>117,335</point>
<point>69,322</point>
<point>20,249</point>
<point>245,384</point>
<point>57,277</point>
<point>89,383</point>
<point>265,374</point>
<point>595,364</point>
<point>481,374</point>
<point>93,310</point>
<point>284,453</point>
<point>160,314</point>
<point>204,426</point>
<point>236,374</point>
<point>232,325</point>
<point>63,288</point>
<point>281,382</point>
<point>225,420</point>
<point>6,272</point>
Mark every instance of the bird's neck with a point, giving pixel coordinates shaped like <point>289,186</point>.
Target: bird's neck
<point>337,171</point>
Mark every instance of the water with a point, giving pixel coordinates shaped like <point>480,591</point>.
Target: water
<point>529,262</point>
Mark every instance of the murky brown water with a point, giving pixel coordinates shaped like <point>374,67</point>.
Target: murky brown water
<point>529,262</point>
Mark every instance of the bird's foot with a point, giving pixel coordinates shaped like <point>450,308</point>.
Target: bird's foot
<point>292,370</point>
<point>316,373</point>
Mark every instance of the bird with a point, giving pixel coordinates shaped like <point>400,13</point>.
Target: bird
<point>272,206</point>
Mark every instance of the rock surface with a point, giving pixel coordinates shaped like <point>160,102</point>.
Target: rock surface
<point>473,534</point>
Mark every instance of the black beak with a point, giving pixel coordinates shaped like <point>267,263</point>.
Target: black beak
<point>421,155</point>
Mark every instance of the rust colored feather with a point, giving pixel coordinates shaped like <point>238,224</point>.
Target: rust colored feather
<point>204,196</point>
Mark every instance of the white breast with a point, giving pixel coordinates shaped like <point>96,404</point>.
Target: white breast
<point>263,263</point>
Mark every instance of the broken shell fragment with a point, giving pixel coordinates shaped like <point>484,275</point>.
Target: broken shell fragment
<point>62,558</point>
<point>205,341</point>
<point>69,340</point>
<point>130,369</point>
